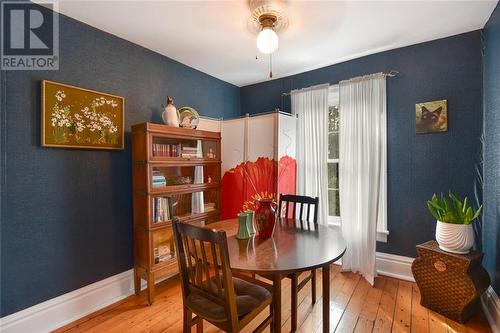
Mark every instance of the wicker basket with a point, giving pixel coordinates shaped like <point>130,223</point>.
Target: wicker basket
<point>450,284</point>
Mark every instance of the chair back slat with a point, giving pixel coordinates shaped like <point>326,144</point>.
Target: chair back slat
<point>218,278</point>
<point>190,269</point>
<point>287,199</point>
<point>204,267</point>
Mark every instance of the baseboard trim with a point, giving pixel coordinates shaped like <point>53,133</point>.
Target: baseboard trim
<point>64,309</point>
<point>67,308</point>
<point>491,307</point>
<point>394,266</point>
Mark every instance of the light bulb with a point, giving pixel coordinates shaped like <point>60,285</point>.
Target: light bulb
<point>267,40</point>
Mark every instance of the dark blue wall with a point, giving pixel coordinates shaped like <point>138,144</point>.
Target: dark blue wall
<point>418,165</point>
<point>491,217</point>
<point>66,216</point>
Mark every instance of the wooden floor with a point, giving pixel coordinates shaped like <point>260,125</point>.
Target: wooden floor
<point>390,306</point>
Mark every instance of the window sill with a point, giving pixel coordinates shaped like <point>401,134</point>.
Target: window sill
<point>381,235</point>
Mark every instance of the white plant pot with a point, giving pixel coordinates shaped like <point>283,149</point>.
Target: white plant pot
<point>454,238</point>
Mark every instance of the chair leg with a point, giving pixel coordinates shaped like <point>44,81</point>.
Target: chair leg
<point>294,284</point>
<point>313,286</point>
<point>199,326</point>
<point>271,325</point>
<point>186,320</point>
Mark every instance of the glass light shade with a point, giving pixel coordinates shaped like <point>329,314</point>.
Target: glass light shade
<point>267,41</point>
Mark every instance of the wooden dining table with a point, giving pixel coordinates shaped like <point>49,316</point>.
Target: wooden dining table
<point>295,246</point>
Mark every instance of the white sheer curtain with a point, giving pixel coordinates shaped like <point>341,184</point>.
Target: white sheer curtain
<point>362,169</point>
<point>311,107</point>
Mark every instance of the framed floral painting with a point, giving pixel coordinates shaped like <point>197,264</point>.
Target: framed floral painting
<point>74,117</point>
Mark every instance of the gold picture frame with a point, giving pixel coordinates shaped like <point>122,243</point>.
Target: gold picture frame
<point>74,117</point>
<point>431,117</point>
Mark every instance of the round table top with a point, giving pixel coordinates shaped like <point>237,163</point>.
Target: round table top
<point>293,247</point>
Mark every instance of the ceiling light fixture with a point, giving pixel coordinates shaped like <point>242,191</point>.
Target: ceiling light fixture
<point>267,17</point>
<point>267,39</point>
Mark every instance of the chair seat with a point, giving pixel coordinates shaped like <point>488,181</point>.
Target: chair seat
<point>248,297</point>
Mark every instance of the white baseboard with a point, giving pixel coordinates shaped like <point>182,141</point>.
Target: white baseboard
<point>491,307</point>
<point>394,266</point>
<point>64,309</point>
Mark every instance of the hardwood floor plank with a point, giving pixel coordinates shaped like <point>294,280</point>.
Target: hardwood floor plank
<point>355,306</point>
<point>372,303</point>
<point>364,325</point>
<point>419,314</point>
<point>454,327</point>
<point>477,324</point>
<point>402,312</point>
<point>385,312</point>
<point>314,319</point>
<point>437,323</point>
<point>350,317</point>
<point>169,288</point>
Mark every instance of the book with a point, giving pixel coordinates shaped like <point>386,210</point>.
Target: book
<point>161,209</point>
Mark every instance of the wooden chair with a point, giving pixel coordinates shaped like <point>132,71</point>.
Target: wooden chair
<point>306,204</point>
<point>209,289</point>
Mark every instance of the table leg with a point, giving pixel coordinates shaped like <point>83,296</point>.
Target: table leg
<point>326,298</point>
<point>277,303</point>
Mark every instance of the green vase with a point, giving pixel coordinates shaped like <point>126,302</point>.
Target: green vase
<point>242,226</point>
<point>251,229</point>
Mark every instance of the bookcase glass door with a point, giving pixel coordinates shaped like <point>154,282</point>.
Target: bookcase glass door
<point>167,176</point>
<point>163,248</point>
<point>168,147</point>
<point>188,204</point>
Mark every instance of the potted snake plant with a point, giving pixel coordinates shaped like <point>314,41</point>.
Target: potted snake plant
<point>454,232</point>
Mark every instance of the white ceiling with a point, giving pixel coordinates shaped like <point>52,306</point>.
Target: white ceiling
<point>213,36</point>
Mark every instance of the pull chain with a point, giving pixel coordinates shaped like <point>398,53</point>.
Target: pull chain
<point>270,65</point>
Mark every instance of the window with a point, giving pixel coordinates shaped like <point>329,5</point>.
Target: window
<point>333,156</point>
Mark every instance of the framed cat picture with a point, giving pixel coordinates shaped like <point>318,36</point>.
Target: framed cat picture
<point>431,117</point>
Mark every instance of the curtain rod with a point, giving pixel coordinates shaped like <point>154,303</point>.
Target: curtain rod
<point>391,73</point>
<point>284,113</point>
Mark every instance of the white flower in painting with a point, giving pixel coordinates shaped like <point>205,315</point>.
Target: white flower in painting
<point>60,95</point>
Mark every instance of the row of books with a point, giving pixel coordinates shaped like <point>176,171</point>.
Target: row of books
<point>171,150</point>
<point>190,152</point>
<point>166,150</point>
<point>163,252</point>
<point>158,179</point>
<point>161,211</point>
